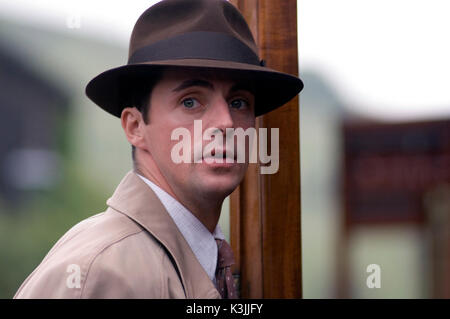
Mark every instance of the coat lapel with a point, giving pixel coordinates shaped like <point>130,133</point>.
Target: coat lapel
<point>137,200</point>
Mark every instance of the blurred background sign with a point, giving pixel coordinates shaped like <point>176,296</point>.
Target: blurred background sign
<point>389,167</point>
<point>399,173</point>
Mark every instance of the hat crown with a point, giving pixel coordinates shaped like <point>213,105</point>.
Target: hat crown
<point>171,18</point>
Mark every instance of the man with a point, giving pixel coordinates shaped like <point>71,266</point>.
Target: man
<point>190,62</point>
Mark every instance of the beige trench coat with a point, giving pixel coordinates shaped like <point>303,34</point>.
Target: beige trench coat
<point>132,250</point>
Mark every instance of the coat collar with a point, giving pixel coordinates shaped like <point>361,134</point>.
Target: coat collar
<point>135,199</point>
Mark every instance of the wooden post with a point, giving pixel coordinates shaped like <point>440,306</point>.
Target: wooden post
<point>265,209</point>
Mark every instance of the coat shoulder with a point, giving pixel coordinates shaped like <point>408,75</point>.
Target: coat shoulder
<point>97,258</point>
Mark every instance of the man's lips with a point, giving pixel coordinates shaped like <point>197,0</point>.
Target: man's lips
<point>222,154</point>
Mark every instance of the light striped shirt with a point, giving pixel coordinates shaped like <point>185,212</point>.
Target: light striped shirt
<point>198,237</point>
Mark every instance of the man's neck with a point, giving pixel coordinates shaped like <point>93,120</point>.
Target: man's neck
<point>207,209</point>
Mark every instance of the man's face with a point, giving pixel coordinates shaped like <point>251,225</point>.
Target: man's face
<point>179,99</point>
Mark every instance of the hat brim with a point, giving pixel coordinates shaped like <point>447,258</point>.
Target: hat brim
<point>111,89</point>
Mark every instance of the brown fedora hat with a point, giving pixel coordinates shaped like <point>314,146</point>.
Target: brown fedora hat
<point>206,34</point>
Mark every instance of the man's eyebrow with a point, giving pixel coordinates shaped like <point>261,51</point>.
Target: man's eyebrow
<point>242,87</point>
<point>193,82</point>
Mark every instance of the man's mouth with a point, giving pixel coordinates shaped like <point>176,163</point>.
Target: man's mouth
<point>225,155</point>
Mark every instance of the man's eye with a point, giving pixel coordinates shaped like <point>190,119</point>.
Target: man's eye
<point>190,103</point>
<point>238,103</point>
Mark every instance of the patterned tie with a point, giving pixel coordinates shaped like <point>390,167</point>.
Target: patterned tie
<point>224,277</point>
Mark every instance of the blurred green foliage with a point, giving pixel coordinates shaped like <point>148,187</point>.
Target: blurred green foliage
<point>92,146</point>
<point>27,233</point>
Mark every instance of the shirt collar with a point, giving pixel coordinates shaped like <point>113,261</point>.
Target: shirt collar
<point>198,237</point>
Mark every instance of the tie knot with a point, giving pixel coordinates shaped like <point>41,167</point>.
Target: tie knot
<point>225,254</point>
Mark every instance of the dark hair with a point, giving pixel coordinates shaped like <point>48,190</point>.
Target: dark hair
<point>140,98</point>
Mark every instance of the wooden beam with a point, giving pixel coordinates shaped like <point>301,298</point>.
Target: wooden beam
<point>265,209</point>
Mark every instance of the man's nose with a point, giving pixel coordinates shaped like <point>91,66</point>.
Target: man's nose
<point>220,115</point>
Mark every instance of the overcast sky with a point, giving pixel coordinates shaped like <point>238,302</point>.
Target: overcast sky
<point>386,58</point>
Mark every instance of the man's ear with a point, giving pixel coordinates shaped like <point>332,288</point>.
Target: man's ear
<point>133,126</point>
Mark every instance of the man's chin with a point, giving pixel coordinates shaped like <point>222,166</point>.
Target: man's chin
<point>219,185</point>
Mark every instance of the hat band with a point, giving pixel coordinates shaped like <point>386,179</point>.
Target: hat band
<point>197,45</point>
